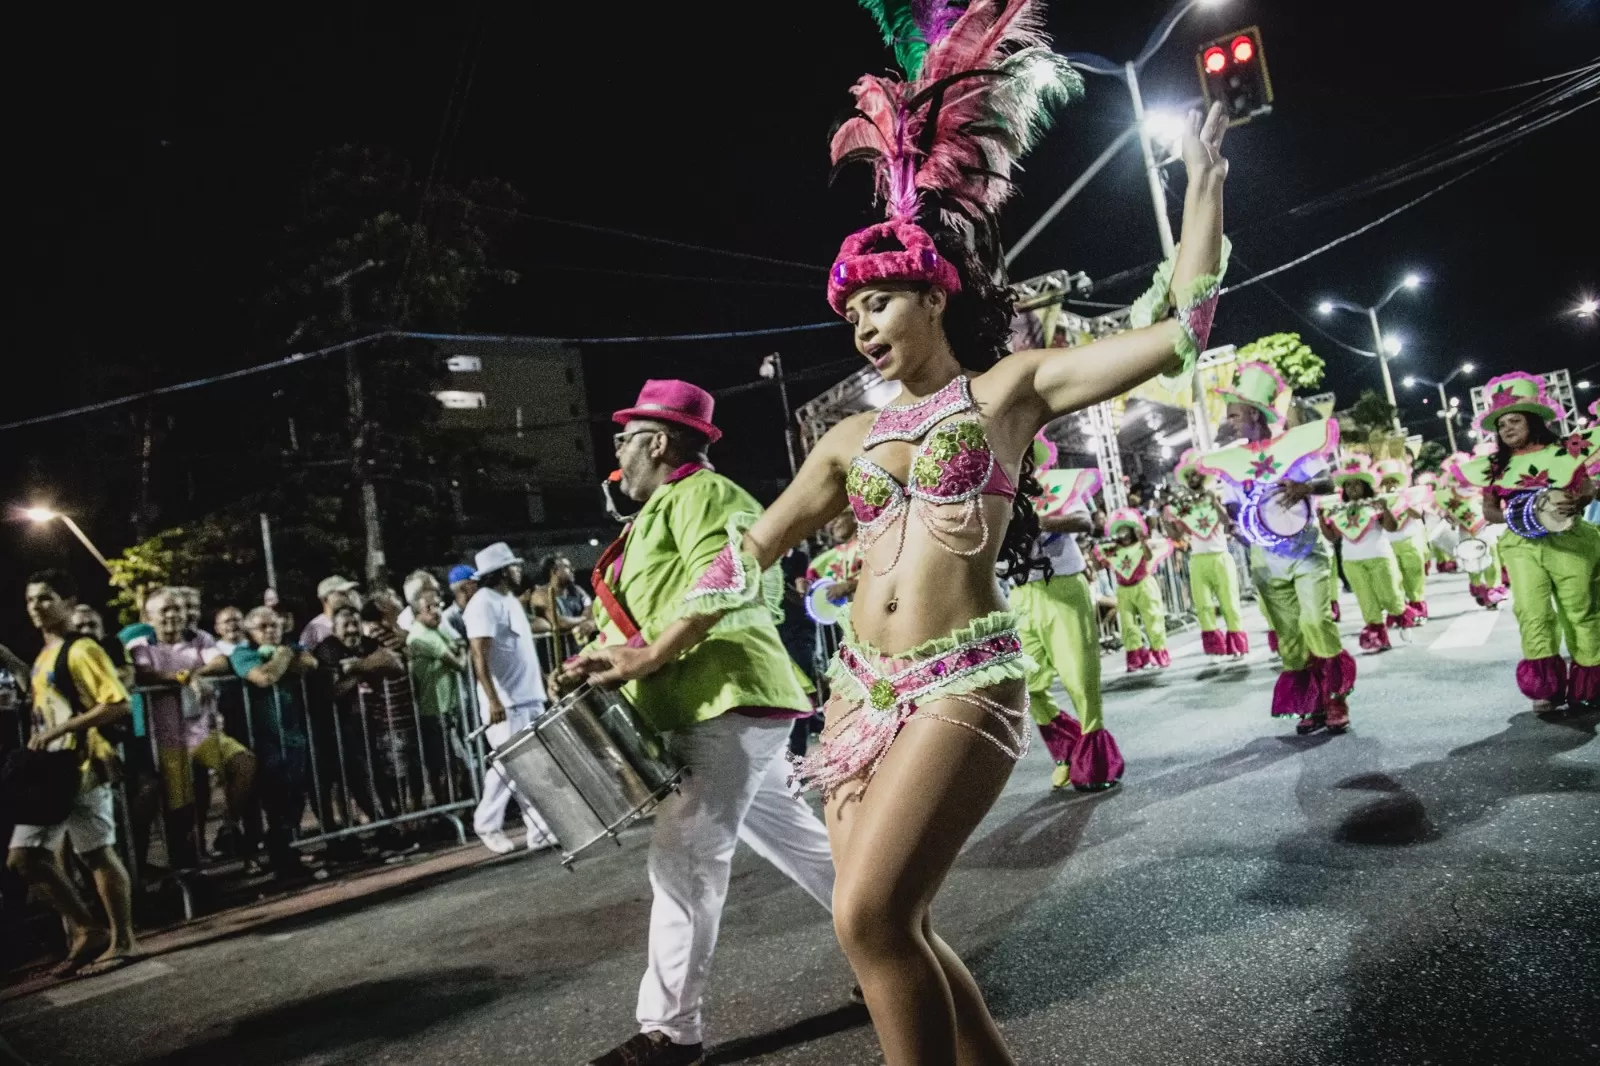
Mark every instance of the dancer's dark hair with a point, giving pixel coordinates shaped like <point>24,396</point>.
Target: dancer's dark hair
<point>1539,432</point>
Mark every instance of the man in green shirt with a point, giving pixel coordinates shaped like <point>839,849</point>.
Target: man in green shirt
<point>437,663</point>
<point>726,707</point>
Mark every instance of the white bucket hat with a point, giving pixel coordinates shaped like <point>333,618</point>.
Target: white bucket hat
<point>496,556</point>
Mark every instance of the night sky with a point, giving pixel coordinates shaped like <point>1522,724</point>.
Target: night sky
<point>155,159</point>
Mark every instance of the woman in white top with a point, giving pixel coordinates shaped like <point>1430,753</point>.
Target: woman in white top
<point>1362,520</point>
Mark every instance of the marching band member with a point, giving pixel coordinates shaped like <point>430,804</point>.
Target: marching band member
<point>1198,518</point>
<point>726,707</point>
<point>1462,507</point>
<point>1362,520</point>
<point>1132,561</point>
<point>1409,538</point>
<point>1276,473</point>
<point>1539,485</point>
<point>929,703</point>
<point>1060,630</point>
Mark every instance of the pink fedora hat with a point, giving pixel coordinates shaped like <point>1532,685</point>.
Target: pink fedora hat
<point>671,400</point>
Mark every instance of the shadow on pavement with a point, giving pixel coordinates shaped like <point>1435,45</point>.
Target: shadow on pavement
<point>332,1025</point>
<point>801,1032</point>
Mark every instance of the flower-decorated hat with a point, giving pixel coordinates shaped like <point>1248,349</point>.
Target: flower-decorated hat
<point>1517,392</point>
<point>1126,518</point>
<point>1355,467</point>
<point>1428,478</point>
<point>1388,468</point>
<point>1189,460</point>
<point>1258,385</point>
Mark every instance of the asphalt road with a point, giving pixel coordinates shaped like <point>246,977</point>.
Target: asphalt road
<point>1425,889</point>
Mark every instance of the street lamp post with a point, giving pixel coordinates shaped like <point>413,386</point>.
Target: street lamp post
<point>42,515</point>
<point>1384,347</point>
<point>1446,412</point>
<point>1129,72</point>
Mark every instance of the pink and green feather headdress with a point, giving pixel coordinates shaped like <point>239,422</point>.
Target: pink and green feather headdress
<point>978,84</point>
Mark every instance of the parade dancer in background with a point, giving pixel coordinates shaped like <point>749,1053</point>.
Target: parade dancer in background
<point>1409,537</point>
<point>725,706</point>
<point>1462,507</point>
<point>1362,520</point>
<point>929,704</point>
<point>1274,474</point>
<point>1555,575</point>
<point>1060,630</point>
<point>1132,561</point>
<point>1198,518</point>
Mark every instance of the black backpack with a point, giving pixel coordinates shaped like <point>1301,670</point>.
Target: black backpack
<point>39,787</point>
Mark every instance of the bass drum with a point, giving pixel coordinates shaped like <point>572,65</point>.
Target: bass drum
<point>590,766</point>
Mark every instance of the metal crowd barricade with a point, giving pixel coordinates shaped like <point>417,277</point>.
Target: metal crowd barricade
<point>1177,596</point>
<point>326,768</point>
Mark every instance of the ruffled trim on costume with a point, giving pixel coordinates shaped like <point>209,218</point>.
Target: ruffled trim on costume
<point>1061,735</point>
<point>1097,761</point>
<point>1336,677</point>
<point>1583,684</point>
<point>1543,679</point>
<point>1374,638</point>
<point>1160,301</point>
<point>1493,595</point>
<point>734,586</point>
<point>1138,659</point>
<point>1160,657</point>
<point>1420,607</point>
<point>1406,619</point>
<point>1238,642</point>
<point>1295,694</point>
<point>992,624</point>
<point>1272,641</point>
<point>1333,610</point>
<point>1213,642</point>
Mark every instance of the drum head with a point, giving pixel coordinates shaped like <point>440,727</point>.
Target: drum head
<point>1544,511</point>
<point>1472,554</point>
<point>821,607</point>
<point>1286,520</point>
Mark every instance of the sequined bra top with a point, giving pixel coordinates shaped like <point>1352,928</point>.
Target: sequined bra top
<point>954,465</point>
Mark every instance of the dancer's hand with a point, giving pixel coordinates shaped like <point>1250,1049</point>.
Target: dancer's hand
<point>1202,144</point>
<point>616,666</point>
<point>1293,492</point>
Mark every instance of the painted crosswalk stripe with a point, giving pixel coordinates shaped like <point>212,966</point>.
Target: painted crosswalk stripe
<point>1468,631</point>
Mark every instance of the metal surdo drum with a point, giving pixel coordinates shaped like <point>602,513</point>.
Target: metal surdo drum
<point>1537,513</point>
<point>1472,554</point>
<point>590,766</point>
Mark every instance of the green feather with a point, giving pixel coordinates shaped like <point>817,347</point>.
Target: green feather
<point>899,32</point>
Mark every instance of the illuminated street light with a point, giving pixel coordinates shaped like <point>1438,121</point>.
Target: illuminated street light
<point>1166,128</point>
<point>1584,384</point>
<point>1386,346</point>
<point>42,515</point>
<point>1325,307</point>
<point>1587,308</point>
<point>1408,381</point>
<point>1466,368</point>
<point>1449,407</point>
<point>1392,344</point>
<point>1411,281</point>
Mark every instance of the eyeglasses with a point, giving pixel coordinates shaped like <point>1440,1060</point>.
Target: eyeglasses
<point>619,439</point>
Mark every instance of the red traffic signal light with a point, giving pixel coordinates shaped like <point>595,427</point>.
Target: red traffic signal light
<point>1233,70</point>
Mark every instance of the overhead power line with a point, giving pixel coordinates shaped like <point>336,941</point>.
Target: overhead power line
<point>668,242</point>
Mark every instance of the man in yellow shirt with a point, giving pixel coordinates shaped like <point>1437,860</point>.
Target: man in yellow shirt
<point>68,712</point>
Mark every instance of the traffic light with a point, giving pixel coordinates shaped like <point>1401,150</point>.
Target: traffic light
<point>1233,69</point>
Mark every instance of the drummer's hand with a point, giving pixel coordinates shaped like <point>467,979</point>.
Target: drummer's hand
<point>1567,507</point>
<point>1294,491</point>
<point>617,665</point>
<point>497,711</point>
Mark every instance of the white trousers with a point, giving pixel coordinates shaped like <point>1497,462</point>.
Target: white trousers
<point>491,813</point>
<point>737,788</point>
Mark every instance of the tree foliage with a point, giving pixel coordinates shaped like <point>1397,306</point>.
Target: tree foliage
<point>1291,357</point>
<point>1371,416</point>
<point>1430,457</point>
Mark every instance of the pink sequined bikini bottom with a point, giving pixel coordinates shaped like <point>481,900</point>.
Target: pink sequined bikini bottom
<point>875,695</point>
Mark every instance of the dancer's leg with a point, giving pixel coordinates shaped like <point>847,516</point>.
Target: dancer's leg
<point>894,843</point>
<point>1153,613</point>
<point>1364,582</point>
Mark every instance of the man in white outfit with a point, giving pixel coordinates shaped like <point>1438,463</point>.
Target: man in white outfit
<point>501,641</point>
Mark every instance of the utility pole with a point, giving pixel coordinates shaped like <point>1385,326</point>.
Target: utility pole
<point>371,521</point>
<point>141,519</point>
<point>772,369</point>
<point>1449,414</point>
<point>1383,364</point>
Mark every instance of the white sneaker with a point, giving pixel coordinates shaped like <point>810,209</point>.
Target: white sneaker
<point>538,841</point>
<point>497,842</point>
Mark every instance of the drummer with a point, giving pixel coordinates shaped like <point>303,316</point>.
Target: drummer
<point>1553,556</point>
<point>726,707</point>
<point>1293,573</point>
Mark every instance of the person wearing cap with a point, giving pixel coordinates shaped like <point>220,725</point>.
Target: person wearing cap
<point>1409,539</point>
<point>1198,518</point>
<point>726,706</point>
<point>510,686</point>
<point>1132,561</point>
<point>1362,520</point>
<point>1554,568</point>
<point>333,593</point>
<point>1272,474</point>
<point>1060,630</point>
<point>462,586</point>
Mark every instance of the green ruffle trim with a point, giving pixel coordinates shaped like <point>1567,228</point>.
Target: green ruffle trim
<point>759,603</point>
<point>1159,301</point>
<point>840,679</point>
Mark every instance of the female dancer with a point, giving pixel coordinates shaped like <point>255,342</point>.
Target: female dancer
<point>1408,540</point>
<point>1462,507</point>
<point>929,704</point>
<point>1555,577</point>
<point>1132,563</point>
<point>1363,521</point>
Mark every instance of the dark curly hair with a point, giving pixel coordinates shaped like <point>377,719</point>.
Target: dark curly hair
<point>977,323</point>
<point>1539,432</point>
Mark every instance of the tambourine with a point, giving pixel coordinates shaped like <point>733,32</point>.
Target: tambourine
<point>821,607</point>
